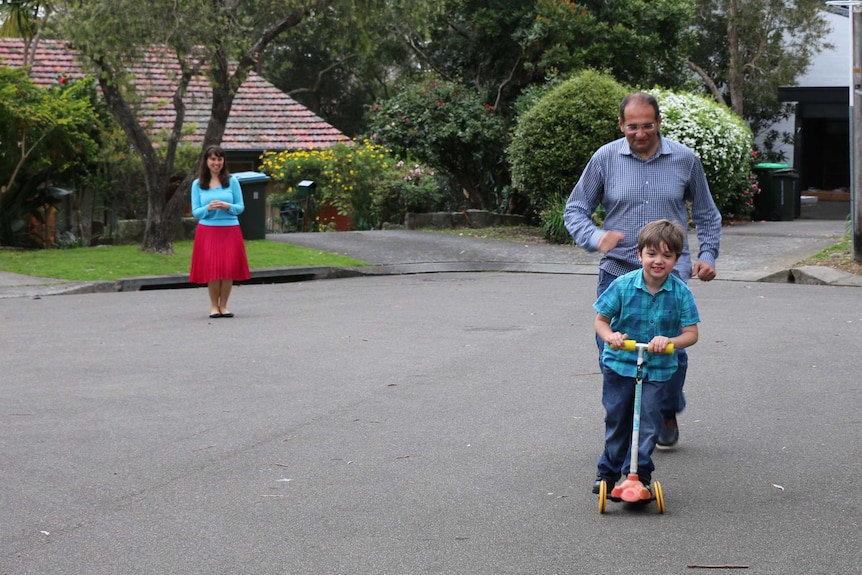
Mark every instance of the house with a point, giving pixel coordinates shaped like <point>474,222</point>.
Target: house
<point>262,118</point>
<point>820,153</point>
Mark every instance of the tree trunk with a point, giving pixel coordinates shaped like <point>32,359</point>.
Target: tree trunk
<point>163,214</point>
<point>156,237</point>
<point>163,217</point>
<point>736,79</point>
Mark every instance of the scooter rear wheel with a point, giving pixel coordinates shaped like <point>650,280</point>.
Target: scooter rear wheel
<point>603,496</point>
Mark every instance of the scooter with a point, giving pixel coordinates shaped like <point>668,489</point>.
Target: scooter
<point>631,490</point>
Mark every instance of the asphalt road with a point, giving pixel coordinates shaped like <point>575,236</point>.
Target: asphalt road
<point>444,423</point>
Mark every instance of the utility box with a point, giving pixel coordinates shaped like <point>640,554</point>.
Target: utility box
<point>252,220</point>
<point>306,187</point>
<point>779,199</point>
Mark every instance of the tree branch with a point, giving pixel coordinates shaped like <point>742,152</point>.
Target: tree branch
<point>710,84</point>
<point>418,51</point>
<point>507,80</point>
<point>323,73</point>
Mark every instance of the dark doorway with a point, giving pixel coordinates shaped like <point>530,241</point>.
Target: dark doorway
<point>821,152</point>
<point>824,161</point>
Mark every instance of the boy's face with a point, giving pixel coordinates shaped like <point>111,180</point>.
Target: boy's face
<point>658,261</point>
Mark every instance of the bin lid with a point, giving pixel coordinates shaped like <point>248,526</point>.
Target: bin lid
<point>251,177</point>
<point>770,166</point>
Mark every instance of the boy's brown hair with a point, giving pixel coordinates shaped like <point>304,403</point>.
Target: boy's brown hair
<point>659,232</point>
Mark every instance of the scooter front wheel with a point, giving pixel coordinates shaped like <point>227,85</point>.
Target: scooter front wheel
<point>659,496</point>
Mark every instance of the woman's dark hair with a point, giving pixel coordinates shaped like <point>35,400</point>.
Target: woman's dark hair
<point>204,171</point>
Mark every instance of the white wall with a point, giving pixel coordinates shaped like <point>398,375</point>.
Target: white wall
<point>829,68</point>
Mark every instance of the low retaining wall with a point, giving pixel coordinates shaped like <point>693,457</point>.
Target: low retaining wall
<point>132,231</point>
<point>463,219</point>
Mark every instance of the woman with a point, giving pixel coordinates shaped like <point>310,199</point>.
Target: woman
<point>218,253</point>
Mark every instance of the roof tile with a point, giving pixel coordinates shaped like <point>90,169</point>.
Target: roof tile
<point>262,118</point>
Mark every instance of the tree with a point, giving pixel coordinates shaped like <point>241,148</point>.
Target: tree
<point>748,49</point>
<point>222,39</point>
<point>638,42</point>
<point>25,19</point>
<point>338,69</point>
<point>496,48</point>
<point>44,132</point>
<point>500,48</point>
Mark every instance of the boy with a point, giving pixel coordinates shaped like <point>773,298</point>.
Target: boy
<point>647,305</point>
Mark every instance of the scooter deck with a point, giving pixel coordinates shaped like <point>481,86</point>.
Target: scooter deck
<point>638,502</point>
<point>656,494</point>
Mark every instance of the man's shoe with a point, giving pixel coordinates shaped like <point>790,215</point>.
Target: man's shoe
<point>669,434</point>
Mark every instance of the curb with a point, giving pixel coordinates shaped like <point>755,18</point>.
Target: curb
<point>805,275</point>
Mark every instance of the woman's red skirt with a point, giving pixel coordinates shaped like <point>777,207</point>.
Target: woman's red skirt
<point>218,253</point>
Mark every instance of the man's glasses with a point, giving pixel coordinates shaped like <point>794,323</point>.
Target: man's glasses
<point>632,128</point>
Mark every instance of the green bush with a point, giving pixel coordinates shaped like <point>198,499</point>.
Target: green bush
<point>555,138</point>
<point>721,140</point>
<point>362,180</point>
<point>552,223</point>
<point>449,128</point>
<point>408,187</point>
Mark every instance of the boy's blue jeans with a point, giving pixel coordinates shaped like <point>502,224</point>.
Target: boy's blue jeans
<point>672,399</point>
<point>618,394</point>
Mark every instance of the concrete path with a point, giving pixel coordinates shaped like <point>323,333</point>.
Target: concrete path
<point>754,251</point>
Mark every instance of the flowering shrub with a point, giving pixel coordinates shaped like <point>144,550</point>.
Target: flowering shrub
<point>361,180</point>
<point>409,187</point>
<point>723,143</point>
<point>450,128</point>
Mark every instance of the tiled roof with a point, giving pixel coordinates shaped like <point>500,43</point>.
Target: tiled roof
<point>262,117</point>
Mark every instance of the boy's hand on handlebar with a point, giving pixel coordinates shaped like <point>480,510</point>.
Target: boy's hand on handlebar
<point>658,344</point>
<point>616,340</point>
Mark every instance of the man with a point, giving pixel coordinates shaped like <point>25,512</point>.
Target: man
<point>638,179</point>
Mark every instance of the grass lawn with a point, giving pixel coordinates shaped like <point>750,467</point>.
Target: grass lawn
<point>838,256</point>
<point>119,262</point>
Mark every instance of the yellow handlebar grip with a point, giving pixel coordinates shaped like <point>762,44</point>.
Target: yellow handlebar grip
<point>631,345</point>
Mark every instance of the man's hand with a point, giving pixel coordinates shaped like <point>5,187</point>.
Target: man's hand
<point>609,240</point>
<point>703,271</point>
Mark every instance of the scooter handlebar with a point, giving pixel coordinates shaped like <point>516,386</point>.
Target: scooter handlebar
<point>632,345</point>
